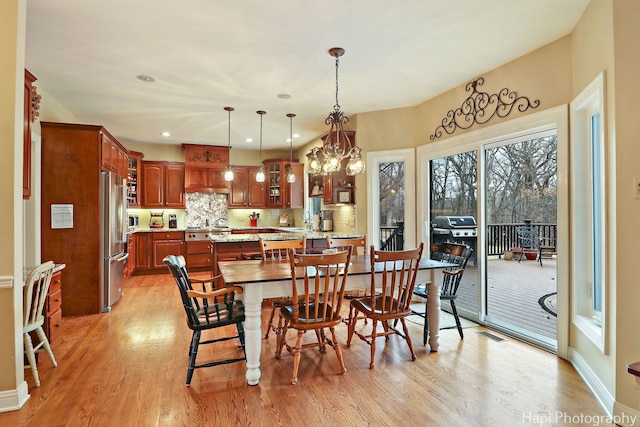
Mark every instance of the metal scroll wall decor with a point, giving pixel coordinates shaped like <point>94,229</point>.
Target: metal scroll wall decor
<point>480,107</point>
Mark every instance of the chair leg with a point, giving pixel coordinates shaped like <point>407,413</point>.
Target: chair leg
<point>351,325</point>
<point>31,357</point>
<point>455,316</point>
<point>296,357</point>
<point>193,353</point>
<point>45,343</point>
<point>270,325</point>
<point>336,347</point>
<point>407,337</point>
<point>374,335</point>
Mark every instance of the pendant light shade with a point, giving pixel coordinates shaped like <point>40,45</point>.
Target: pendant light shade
<point>260,176</point>
<point>291,177</point>
<point>228,174</point>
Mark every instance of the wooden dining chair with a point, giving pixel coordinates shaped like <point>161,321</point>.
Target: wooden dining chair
<point>392,300</point>
<point>342,243</point>
<point>206,309</point>
<point>277,250</point>
<point>34,298</point>
<point>317,307</point>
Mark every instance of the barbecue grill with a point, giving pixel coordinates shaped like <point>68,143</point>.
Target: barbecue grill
<point>455,229</point>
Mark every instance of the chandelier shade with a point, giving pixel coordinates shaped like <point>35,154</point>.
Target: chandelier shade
<point>337,146</point>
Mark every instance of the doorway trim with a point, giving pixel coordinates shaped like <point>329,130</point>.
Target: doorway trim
<point>374,159</point>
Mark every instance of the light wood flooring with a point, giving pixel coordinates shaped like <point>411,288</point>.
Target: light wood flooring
<point>127,368</point>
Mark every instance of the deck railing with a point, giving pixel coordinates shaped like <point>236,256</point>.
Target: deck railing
<point>500,237</point>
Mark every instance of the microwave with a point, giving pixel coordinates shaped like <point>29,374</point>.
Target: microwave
<point>134,221</point>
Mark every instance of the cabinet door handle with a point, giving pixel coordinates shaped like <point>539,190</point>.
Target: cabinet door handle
<point>58,299</point>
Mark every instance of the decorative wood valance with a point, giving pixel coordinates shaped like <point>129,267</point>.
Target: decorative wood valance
<point>480,107</point>
<point>206,156</point>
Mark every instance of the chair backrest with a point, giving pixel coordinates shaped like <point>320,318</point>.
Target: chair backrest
<point>324,277</point>
<point>527,237</point>
<point>455,253</point>
<point>394,288</point>
<point>35,293</point>
<point>199,310</point>
<point>278,249</point>
<point>344,242</point>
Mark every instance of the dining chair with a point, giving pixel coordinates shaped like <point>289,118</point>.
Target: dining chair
<point>317,307</point>
<point>455,253</point>
<point>355,242</point>
<point>34,298</point>
<point>393,298</point>
<point>277,250</point>
<point>207,309</point>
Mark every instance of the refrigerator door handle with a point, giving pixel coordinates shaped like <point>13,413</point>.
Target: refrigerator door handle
<point>122,258</point>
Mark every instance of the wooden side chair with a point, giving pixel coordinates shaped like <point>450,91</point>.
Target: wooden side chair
<point>392,300</point>
<point>317,308</point>
<point>277,250</point>
<point>207,309</point>
<point>448,252</point>
<point>342,243</point>
<point>35,296</point>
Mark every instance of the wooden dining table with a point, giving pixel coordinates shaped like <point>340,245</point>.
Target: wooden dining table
<point>271,279</point>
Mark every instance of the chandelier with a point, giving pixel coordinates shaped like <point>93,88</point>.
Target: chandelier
<point>336,146</point>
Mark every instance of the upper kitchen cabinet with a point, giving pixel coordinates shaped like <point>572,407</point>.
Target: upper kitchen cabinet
<point>204,168</point>
<point>163,184</point>
<point>31,106</point>
<point>114,156</point>
<point>245,191</point>
<point>134,179</point>
<point>280,193</point>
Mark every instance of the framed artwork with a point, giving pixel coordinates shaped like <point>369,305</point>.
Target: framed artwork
<point>344,196</point>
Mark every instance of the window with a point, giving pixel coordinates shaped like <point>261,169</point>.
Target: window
<point>588,221</point>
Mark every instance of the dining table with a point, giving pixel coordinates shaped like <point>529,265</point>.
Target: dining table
<point>272,279</point>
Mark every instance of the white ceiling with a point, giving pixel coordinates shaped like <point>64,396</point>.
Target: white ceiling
<point>207,54</point>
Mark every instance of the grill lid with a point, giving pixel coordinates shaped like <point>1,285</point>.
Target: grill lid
<point>449,222</point>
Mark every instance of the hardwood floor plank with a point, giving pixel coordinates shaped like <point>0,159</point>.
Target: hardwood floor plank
<point>128,368</point>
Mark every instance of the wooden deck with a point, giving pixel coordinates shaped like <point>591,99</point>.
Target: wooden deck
<point>513,293</point>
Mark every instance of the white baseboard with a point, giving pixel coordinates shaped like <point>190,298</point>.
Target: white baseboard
<point>625,416</point>
<point>12,400</point>
<point>593,382</point>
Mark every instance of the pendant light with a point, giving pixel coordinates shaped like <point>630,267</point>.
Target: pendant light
<point>260,176</point>
<point>228,174</point>
<point>291,177</point>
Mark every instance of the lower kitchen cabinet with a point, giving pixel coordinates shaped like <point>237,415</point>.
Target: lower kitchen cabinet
<point>142,257</point>
<point>233,251</point>
<point>166,243</point>
<point>131,250</point>
<point>199,254</point>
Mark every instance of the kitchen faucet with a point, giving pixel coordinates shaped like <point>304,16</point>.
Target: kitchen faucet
<point>306,217</point>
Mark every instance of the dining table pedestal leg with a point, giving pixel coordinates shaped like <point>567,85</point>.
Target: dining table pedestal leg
<point>253,333</point>
<point>433,312</point>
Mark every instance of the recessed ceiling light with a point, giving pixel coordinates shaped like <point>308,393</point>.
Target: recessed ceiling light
<point>165,133</point>
<point>248,140</point>
<point>284,96</point>
<point>145,78</point>
<point>296,135</point>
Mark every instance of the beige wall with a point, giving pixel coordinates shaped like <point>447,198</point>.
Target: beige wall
<point>12,25</point>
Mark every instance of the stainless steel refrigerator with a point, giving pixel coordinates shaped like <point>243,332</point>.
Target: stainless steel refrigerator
<point>114,238</point>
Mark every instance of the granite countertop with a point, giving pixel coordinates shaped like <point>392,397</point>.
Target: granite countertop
<point>27,270</point>
<point>282,233</point>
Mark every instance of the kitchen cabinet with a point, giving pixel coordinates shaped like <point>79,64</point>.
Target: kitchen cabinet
<point>280,193</point>
<point>31,105</point>
<point>199,254</point>
<point>233,251</point>
<point>71,163</point>
<point>53,308</point>
<point>134,178</point>
<point>131,250</point>
<point>204,168</point>
<point>245,192</point>
<point>113,155</point>
<point>142,257</point>
<point>163,184</point>
<point>166,243</point>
